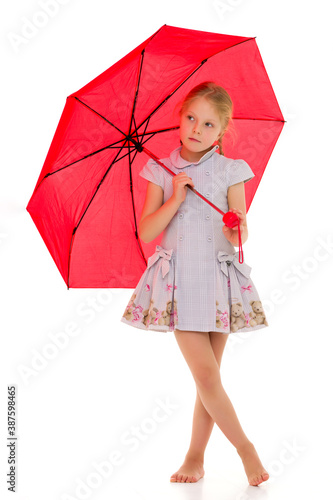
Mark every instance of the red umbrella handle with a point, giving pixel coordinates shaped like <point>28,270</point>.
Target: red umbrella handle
<point>230,219</point>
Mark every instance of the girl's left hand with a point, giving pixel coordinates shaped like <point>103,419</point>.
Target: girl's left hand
<point>231,233</point>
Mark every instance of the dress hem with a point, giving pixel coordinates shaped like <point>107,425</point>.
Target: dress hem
<point>168,329</point>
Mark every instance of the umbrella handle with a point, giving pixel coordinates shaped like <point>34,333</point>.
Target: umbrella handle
<point>231,219</point>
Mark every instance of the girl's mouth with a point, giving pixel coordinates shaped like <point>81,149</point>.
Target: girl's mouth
<point>191,139</point>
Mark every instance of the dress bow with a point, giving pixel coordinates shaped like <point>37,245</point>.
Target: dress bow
<point>165,255</point>
<point>228,259</point>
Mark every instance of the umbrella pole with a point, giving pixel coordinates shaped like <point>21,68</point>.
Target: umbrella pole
<point>230,219</point>
<point>149,153</point>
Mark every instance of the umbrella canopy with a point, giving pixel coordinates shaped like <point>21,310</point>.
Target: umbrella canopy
<point>89,196</point>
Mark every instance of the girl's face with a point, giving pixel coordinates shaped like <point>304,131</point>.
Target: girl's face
<point>200,127</point>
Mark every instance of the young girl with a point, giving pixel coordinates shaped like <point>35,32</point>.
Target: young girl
<point>194,284</point>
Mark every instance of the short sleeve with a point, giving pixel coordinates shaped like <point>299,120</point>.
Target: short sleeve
<point>238,171</point>
<point>153,172</point>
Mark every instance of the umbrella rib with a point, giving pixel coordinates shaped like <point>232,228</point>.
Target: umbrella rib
<point>159,131</point>
<point>147,119</point>
<point>145,129</point>
<point>137,90</point>
<point>135,97</point>
<point>129,151</point>
<point>171,94</point>
<point>189,76</point>
<point>130,160</point>
<point>79,222</point>
<point>116,144</point>
<point>148,138</point>
<point>113,145</point>
<point>135,130</point>
<point>101,116</point>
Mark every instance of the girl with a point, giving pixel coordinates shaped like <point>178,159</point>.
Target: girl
<point>194,284</point>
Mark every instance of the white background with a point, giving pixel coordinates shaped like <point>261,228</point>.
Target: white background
<point>73,410</point>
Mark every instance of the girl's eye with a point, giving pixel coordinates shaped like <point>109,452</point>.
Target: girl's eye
<point>207,123</point>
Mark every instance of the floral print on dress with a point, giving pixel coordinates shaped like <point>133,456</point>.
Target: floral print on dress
<point>222,318</point>
<point>152,316</point>
<point>154,306</point>
<point>132,312</point>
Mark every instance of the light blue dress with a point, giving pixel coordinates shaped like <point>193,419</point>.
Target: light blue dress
<point>194,280</point>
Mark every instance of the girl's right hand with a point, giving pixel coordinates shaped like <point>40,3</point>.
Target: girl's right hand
<point>179,182</point>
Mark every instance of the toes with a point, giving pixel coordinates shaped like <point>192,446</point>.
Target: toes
<point>182,478</point>
<point>254,481</point>
<point>265,476</point>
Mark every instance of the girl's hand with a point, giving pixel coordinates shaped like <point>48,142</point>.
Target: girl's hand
<point>179,182</point>
<point>231,233</point>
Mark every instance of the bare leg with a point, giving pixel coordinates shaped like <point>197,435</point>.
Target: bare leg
<point>199,355</point>
<point>192,469</point>
<point>203,423</point>
<point>202,426</point>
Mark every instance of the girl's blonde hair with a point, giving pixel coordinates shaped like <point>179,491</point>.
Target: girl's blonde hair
<point>218,97</point>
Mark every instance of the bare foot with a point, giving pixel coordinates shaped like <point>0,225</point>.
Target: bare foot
<point>254,469</point>
<point>190,472</point>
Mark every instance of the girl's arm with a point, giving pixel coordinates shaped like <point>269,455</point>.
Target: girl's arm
<point>237,204</point>
<point>156,215</point>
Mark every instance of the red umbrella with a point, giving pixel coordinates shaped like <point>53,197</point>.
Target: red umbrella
<point>89,196</point>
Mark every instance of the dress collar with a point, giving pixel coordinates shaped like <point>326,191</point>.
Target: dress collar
<point>179,162</point>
